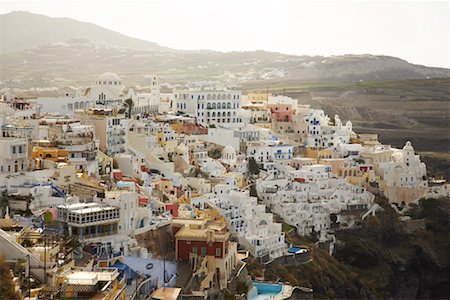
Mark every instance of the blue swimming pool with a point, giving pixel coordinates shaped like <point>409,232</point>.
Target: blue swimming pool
<point>261,291</point>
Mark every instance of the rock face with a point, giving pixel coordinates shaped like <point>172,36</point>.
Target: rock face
<point>397,263</point>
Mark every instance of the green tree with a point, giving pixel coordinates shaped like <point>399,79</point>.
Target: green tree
<point>128,104</point>
<point>253,167</point>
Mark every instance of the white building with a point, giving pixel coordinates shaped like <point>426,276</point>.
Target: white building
<point>351,151</point>
<point>234,137</point>
<point>110,129</point>
<point>405,176</point>
<point>64,105</point>
<point>305,198</point>
<point>88,220</point>
<point>14,155</point>
<point>108,86</point>
<point>131,217</point>
<point>269,151</point>
<point>326,133</point>
<point>210,107</point>
<point>255,228</point>
<point>148,101</point>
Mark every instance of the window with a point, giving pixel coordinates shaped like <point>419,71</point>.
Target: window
<point>203,251</point>
<point>14,149</point>
<point>218,252</point>
<point>194,250</point>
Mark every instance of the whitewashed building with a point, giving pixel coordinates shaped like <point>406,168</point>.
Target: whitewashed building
<point>305,198</point>
<point>218,108</point>
<point>270,150</point>
<point>326,133</point>
<point>254,227</point>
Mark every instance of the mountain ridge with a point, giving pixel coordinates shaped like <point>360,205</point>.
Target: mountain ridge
<point>75,52</point>
<point>55,29</point>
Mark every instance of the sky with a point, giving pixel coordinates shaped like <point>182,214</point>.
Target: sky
<point>417,31</point>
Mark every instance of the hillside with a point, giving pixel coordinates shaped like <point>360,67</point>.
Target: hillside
<point>42,51</point>
<point>383,258</point>
<point>23,30</point>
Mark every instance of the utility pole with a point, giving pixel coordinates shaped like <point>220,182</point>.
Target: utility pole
<point>45,259</point>
<point>29,278</point>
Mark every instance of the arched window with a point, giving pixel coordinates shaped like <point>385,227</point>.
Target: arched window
<point>77,105</point>
<point>229,105</point>
<point>214,106</point>
<point>208,97</point>
<point>213,97</point>
<point>213,114</point>
<point>218,97</point>
<point>224,105</point>
<point>229,97</point>
<point>224,97</point>
<point>218,105</point>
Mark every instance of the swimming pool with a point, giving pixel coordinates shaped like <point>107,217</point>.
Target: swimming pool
<point>261,291</point>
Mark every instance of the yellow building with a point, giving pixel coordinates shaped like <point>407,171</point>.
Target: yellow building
<point>54,154</point>
<point>340,166</point>
<point>318,152</point>
<point>261,98</point>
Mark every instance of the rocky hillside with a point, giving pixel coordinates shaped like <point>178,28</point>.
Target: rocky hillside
<point>40,51</point>
<point>383,258</point>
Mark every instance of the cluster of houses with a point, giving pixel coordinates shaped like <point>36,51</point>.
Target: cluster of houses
<point>109,166</point>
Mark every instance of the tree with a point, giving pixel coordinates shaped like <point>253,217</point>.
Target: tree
<point>128,103</point>
<point>253,167</point>
<point>6,282</point>
<point>215,153</point>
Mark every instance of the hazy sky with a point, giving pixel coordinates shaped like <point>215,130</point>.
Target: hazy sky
<point>415,31</point>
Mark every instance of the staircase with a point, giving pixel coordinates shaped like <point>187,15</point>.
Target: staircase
<point>137,144</point>
<point>14,251</point>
